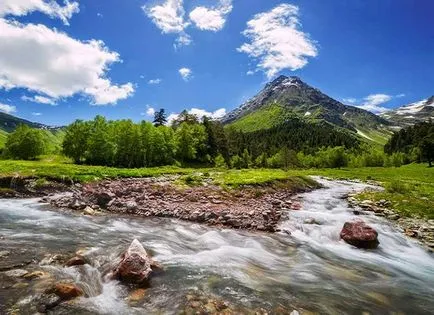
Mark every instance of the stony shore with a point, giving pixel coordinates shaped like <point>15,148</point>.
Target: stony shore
<point>420,229</point>
<point>258,208</point>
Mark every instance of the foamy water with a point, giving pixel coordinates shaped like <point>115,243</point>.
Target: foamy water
<point>310,269</point>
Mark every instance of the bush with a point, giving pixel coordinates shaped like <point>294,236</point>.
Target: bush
<point>25,143</point>
<point>220,162</point>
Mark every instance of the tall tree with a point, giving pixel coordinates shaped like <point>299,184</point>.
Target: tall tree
<point>160,118</point>
<point>75,142</point>
<point>25,143</point>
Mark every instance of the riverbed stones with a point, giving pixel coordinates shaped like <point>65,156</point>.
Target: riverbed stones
<point>135,265</point>
<point>258,208</point>
<point>76,261</point>
<point>360,235</point>
<point>66,291</point>
<point>16,273</point>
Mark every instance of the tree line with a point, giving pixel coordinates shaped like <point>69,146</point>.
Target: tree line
<point>189,140</point>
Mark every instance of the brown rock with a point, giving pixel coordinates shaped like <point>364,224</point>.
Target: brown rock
<point>135,265</point>
<point>75,261</point>
<point>66,291</point>
<point>360,235</point>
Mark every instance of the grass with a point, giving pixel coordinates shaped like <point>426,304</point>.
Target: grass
<point>410,188</point>
<point>52,169</point>
<point>264,118</point>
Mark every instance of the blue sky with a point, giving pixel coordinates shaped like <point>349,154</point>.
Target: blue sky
<point>89,57</point>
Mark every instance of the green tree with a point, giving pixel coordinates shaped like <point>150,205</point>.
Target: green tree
<point>25,143</point>
<point>101,149</point>
<point>75,142</point>
<point>427,149</point>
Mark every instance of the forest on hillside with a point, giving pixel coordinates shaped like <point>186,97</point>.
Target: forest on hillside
<point>189,141</point>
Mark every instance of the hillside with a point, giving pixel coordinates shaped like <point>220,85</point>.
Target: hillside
<point>8,123</point>
<point>412,113</point>
<point>53,135</point>
<point>289,97</point>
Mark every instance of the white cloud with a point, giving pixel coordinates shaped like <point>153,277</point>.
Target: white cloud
<point>182,40</point>
<point>277,42</point>
<point>150,111</point>
<point>200,113</point>
<point>250,72</point>
<point>8,109</point>
<point>51,8</point>
<point>37,114</point>
<point>372,103</point>
<point>155,81</point>
<point>350,100</point>
<point>100,15</point>
<point>168,16</point>
<point>211,19</point>
<point>49,62</point>
<point>39,99</point>
<point>185,73</point>
<point>400,95</point>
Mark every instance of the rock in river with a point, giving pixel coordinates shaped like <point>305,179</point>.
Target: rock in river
<point>66,291</point>
<point>135,265</point>
<point>360,235</point>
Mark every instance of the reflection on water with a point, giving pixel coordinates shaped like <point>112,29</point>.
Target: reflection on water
<point>310,269</point>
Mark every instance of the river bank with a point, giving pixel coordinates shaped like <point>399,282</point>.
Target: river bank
<point>215,269</point>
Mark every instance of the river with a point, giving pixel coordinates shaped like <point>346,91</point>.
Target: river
<point>310,269</point>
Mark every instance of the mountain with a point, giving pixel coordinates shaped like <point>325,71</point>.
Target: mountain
<point>8,123</point>
<point>411,113</point>
<point>288,97</point>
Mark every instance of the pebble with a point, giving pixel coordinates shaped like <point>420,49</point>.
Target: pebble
<point>16,273</point>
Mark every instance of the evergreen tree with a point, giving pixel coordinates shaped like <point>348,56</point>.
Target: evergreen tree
<point>160,118</point>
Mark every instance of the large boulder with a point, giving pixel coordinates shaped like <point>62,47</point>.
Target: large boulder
<point>135,265</point>
<point>360,235</point>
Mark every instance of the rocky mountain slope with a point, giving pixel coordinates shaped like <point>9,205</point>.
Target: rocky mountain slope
<point>411,113</point>
<point>8,123</point>
<point>286,97</point>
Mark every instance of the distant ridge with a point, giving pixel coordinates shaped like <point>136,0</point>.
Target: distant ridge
<point>411,113</point>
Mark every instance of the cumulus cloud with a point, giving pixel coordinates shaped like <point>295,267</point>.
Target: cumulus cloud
<point>211,19</point>
<point>373,102</point>
<point>51,63</point>
<point>36,114</point>
<point>8,109</point>
<point>150,111</point>
<point>277,42</point>
<point>51,8</point>
<point>185,73</point>
<point>39,99</point>
<point>155,81</point>
<point>168,16</point>
<point>200,113</point>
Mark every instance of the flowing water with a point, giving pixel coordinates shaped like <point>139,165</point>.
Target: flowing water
<point>311,269</point>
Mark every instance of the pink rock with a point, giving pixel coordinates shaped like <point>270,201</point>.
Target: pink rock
<point>359,235</point>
